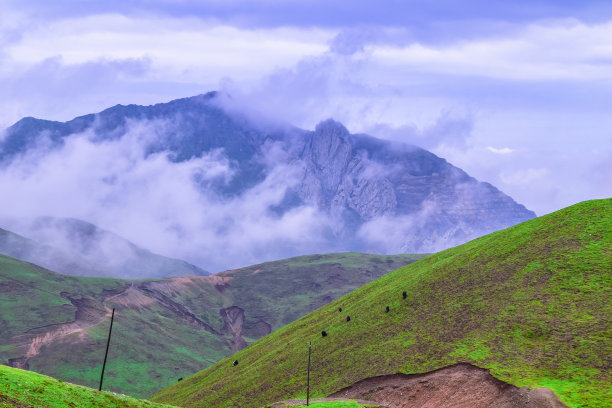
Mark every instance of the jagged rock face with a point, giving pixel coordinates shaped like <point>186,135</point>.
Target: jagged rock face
<point>379,196</point>
<point>339,178</point>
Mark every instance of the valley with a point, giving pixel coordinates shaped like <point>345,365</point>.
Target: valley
<point>167,328</point>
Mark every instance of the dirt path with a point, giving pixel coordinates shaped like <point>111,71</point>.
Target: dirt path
<point>458,386</point>
<point>293,402</point>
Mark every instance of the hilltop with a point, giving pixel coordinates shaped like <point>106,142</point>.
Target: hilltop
<point>530,303</point>
<point>164,329</point>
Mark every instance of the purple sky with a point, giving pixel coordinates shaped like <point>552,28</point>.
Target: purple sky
<point>518,94</point>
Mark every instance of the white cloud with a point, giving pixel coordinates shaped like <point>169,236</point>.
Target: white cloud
<point>378,80</point>
<point>503,150</point>
<point>187,49</point>
<point>157,203</point>
<point>543,51</point>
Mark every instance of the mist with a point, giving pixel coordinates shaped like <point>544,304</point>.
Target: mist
<point>159,203</point>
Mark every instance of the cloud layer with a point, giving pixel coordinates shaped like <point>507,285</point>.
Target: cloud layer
<point>158,203</point>
<point>516,94</point>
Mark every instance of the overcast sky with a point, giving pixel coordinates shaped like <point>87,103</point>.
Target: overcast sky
<point>518,94</point>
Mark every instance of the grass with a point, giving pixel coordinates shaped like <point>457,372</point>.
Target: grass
<point>152,346</point>
<point>333,404</point>
<point>530,303</point>
<point>25,389</point>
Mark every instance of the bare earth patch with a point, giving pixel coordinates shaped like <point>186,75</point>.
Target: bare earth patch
<point>290,403</point>
<point>459,386</point>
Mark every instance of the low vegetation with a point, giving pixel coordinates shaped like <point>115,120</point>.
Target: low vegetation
<point>530,303</point>
<point>25,389</point>
<point>57,324</point>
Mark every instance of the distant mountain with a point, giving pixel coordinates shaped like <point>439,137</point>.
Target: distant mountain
<point>368,194</point>
<point>76,247</point>
<point>164,329</point>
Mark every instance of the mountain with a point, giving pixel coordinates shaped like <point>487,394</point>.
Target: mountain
<point>530,304</point>
<point>325,190</point>
<point>163,329</point>
<point>76,247</point>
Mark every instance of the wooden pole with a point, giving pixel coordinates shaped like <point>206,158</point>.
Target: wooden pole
<point>308,378</point>
<point>110,330</point>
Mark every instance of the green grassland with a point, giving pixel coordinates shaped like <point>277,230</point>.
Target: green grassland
<point>25,389</point>
<point>152,346</point>
<point>531,303</point>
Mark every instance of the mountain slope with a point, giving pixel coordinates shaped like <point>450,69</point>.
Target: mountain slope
<point>23,389</point>
<point>530,303</point>
<point>76,247</point>
<point>163,329</point>
<point>338,191</point>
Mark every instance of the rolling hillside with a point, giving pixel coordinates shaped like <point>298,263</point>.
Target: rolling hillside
<point>164,329</point>
<point>530,303</point>
<point>24,389</point>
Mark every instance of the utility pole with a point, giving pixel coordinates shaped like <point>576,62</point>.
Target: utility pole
<point>308,378</point>
<point>110,330</point>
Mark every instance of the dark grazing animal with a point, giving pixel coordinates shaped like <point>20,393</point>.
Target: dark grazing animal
<point>323,333</point>
<point>404,294</point>
<point>348,318</point>
<point>387,309</point>
<point>180,379</point>
<point>235,362</point>
<point>339,309</point>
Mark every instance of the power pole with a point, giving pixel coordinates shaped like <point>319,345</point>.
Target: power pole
<point>110,330</point>
<point>308,378</point>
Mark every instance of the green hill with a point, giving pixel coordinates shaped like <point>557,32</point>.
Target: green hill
<point>164,329</point>
<point>25,389</point>
<point>531,303</point>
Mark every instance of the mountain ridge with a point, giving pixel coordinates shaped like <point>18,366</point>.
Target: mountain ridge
<point>75,247</point>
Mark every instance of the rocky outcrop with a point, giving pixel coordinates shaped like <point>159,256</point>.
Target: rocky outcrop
<point>360,179</point>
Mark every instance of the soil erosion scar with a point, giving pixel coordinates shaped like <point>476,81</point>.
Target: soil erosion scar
<point>458,385</point>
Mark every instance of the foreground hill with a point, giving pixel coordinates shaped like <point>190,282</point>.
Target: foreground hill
<point>164,329</point>
<point>24,389</point>
<point>75,247</point>
<point>173,163</point>
<point>530,303</point>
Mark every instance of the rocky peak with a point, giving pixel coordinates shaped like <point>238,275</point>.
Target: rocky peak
<point>330,127</point>
<point>329,146</point>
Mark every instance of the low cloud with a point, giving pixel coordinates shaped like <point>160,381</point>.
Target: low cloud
<point>158,203</point>
<point>446,130</point>
<point>503,150</point>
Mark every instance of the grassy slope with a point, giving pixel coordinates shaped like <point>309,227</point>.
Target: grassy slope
<point>25,389</point>
<point>531,303</point>
<point>151,346</point>
<point>24,305</point>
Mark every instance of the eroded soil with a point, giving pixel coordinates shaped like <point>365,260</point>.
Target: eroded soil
<point>458,386</point>
<point>91,312</point>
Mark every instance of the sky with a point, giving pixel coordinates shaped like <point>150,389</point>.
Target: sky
<point>518,94</point>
